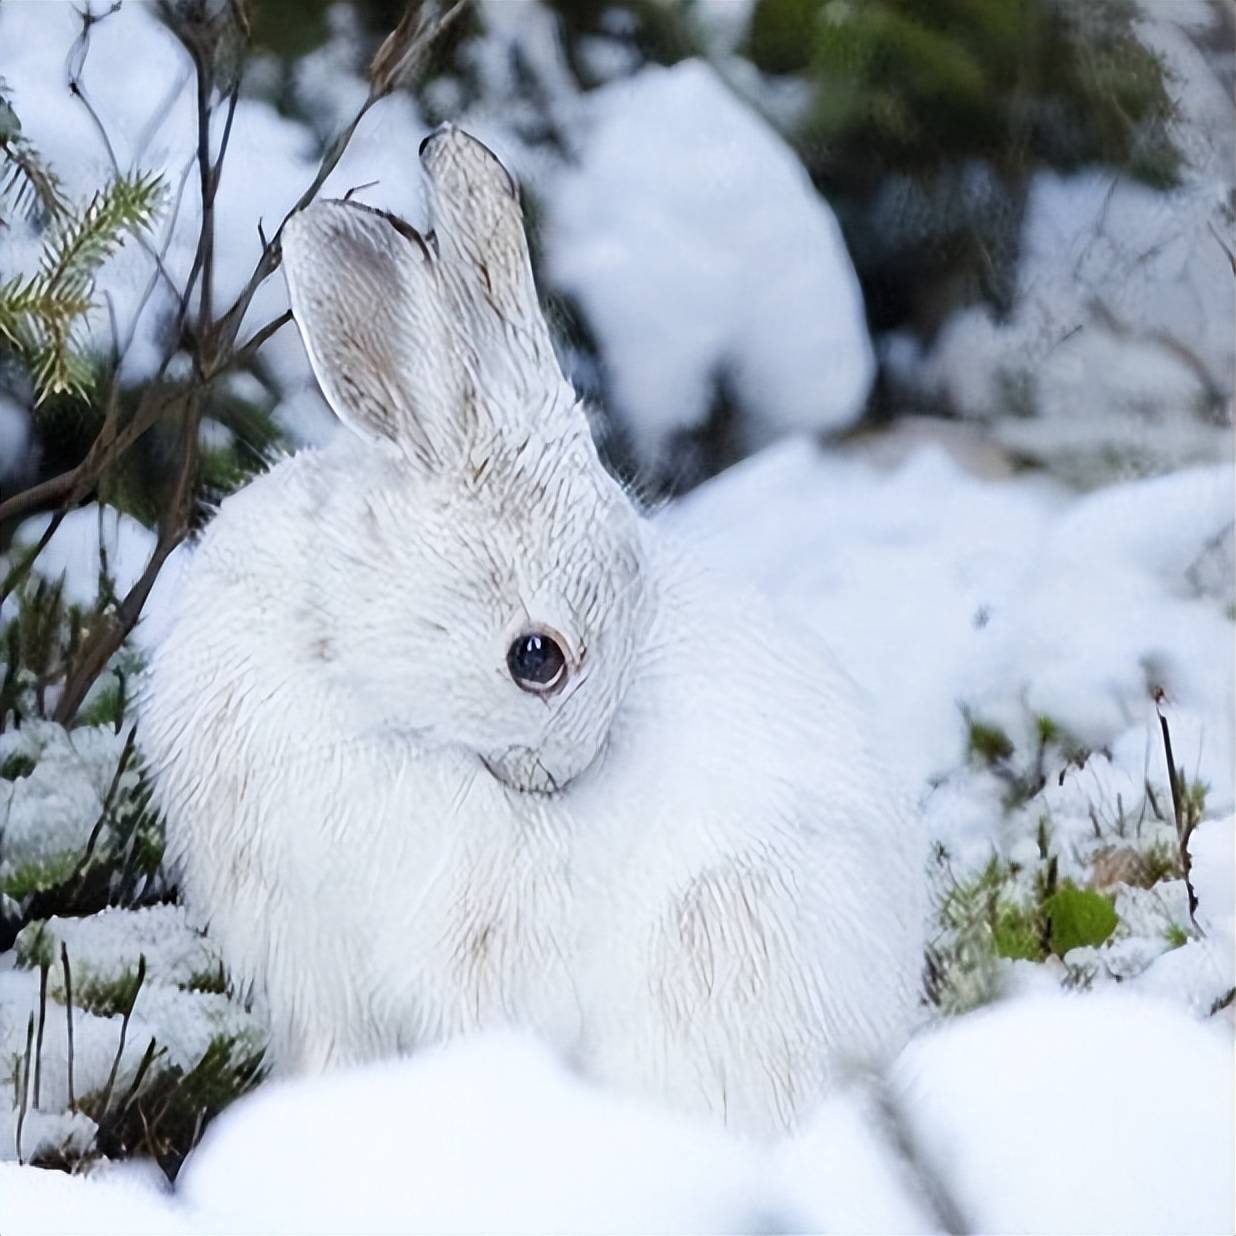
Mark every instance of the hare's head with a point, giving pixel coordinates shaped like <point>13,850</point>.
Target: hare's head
<point>493,569</point>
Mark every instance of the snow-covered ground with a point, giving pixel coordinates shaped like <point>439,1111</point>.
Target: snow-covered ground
<point>1049,1114</point>
<point>948,588</point>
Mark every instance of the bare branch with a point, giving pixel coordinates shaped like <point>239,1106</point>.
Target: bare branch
<point>249,349</point>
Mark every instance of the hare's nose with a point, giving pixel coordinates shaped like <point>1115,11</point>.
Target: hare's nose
<point>522,769</point>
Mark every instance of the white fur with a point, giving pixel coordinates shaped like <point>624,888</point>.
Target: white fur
<point>685,869</point>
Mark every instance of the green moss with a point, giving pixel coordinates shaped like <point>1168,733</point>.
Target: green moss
<point>1078,918</point>
<point>1176,936</point>
<point>37,876</point>
<point>17,765</point>
<point>103,707</point>
<point>989,743</point>
<point>782,34</point>
<point>1016,934</point>
<point>212,980</point>
<point>106,997</point>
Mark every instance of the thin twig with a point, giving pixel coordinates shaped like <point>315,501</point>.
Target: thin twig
<point>68,1013</point>
<point>1184,822</point>
<point>44,967</point>
<point>211,341</point>
<point>109,798</point>
<point>124,1032</point>
<point>932,1190</point>
<point>21,568</point>
<point>249,348</point>
<point>25,1086</point>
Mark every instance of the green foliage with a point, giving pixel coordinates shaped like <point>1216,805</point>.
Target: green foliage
<point>212,981</point>
<point>928,119</point>
<point>108,997</point>
<point>105,705</point>
<point>911,84</point>
<point>1176,936</point>
<point>165,1116</point>
<point>1016,933</point>
<point>782,34</point>
<point>26,181</point>
<point>1078,918</point>
<point>37,877</point>
<point>289,28</point>
<point>38,640</point>
<point>1159,861</point>
<point>988,743</point>
<point>18,765</point>
<point>40,313</point>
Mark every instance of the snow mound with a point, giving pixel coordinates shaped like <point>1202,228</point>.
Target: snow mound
<point>1119,356</point>
<point>938,587</point>
<point>1083,1114</point>
<point>486,1135</point>
<point>1100,1113</point>
<point>34,1202</point>
<point>689,223</point>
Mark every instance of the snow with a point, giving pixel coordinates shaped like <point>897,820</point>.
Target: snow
<point>487,1136</point>
<point>1008,595</point>
<point>87,539</point>
<point>1123,334</point>
<point>14,438</point>
<point>675,227</point>
<point>1076,1114</point>
<point>1031,1116</point>
<point>41,1203</point>
<point>102,949</point>
<point>48,815</point>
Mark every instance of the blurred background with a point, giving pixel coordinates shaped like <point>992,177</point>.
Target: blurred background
<point>751,217</point>
<point>917,314</point>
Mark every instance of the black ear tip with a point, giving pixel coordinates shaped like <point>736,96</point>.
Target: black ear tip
<point>450,145</point>
<point>446,131</point>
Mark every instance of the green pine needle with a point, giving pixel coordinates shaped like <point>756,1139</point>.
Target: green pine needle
<point>42,314</point>
<point>25,179</point>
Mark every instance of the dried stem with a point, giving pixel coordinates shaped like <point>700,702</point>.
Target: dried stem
<point>68,1013</point>
<point>44,967</point>
<point>211,342</point>
<point>1185,823</point>
<point>25,1086</point>
<point>124,1033</point>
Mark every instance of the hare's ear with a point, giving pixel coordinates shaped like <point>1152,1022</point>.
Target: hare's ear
<point>479,234</point>
<point>365,296</point>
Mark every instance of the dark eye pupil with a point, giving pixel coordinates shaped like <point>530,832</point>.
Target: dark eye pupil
<point>535,661</point>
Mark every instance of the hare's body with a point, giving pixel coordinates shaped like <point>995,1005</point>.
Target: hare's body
<point>682,866</point>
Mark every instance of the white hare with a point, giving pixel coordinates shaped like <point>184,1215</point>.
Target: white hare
<point>449,736</point>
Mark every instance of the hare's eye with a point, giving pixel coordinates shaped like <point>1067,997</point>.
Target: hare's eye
<point>537,662</point>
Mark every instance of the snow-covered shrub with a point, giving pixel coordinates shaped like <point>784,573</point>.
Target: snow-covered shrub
<point>1117,353</point>
<point>688,221</point>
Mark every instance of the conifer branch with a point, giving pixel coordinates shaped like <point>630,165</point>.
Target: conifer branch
<point>25,179</point>
<point>39,314</point>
